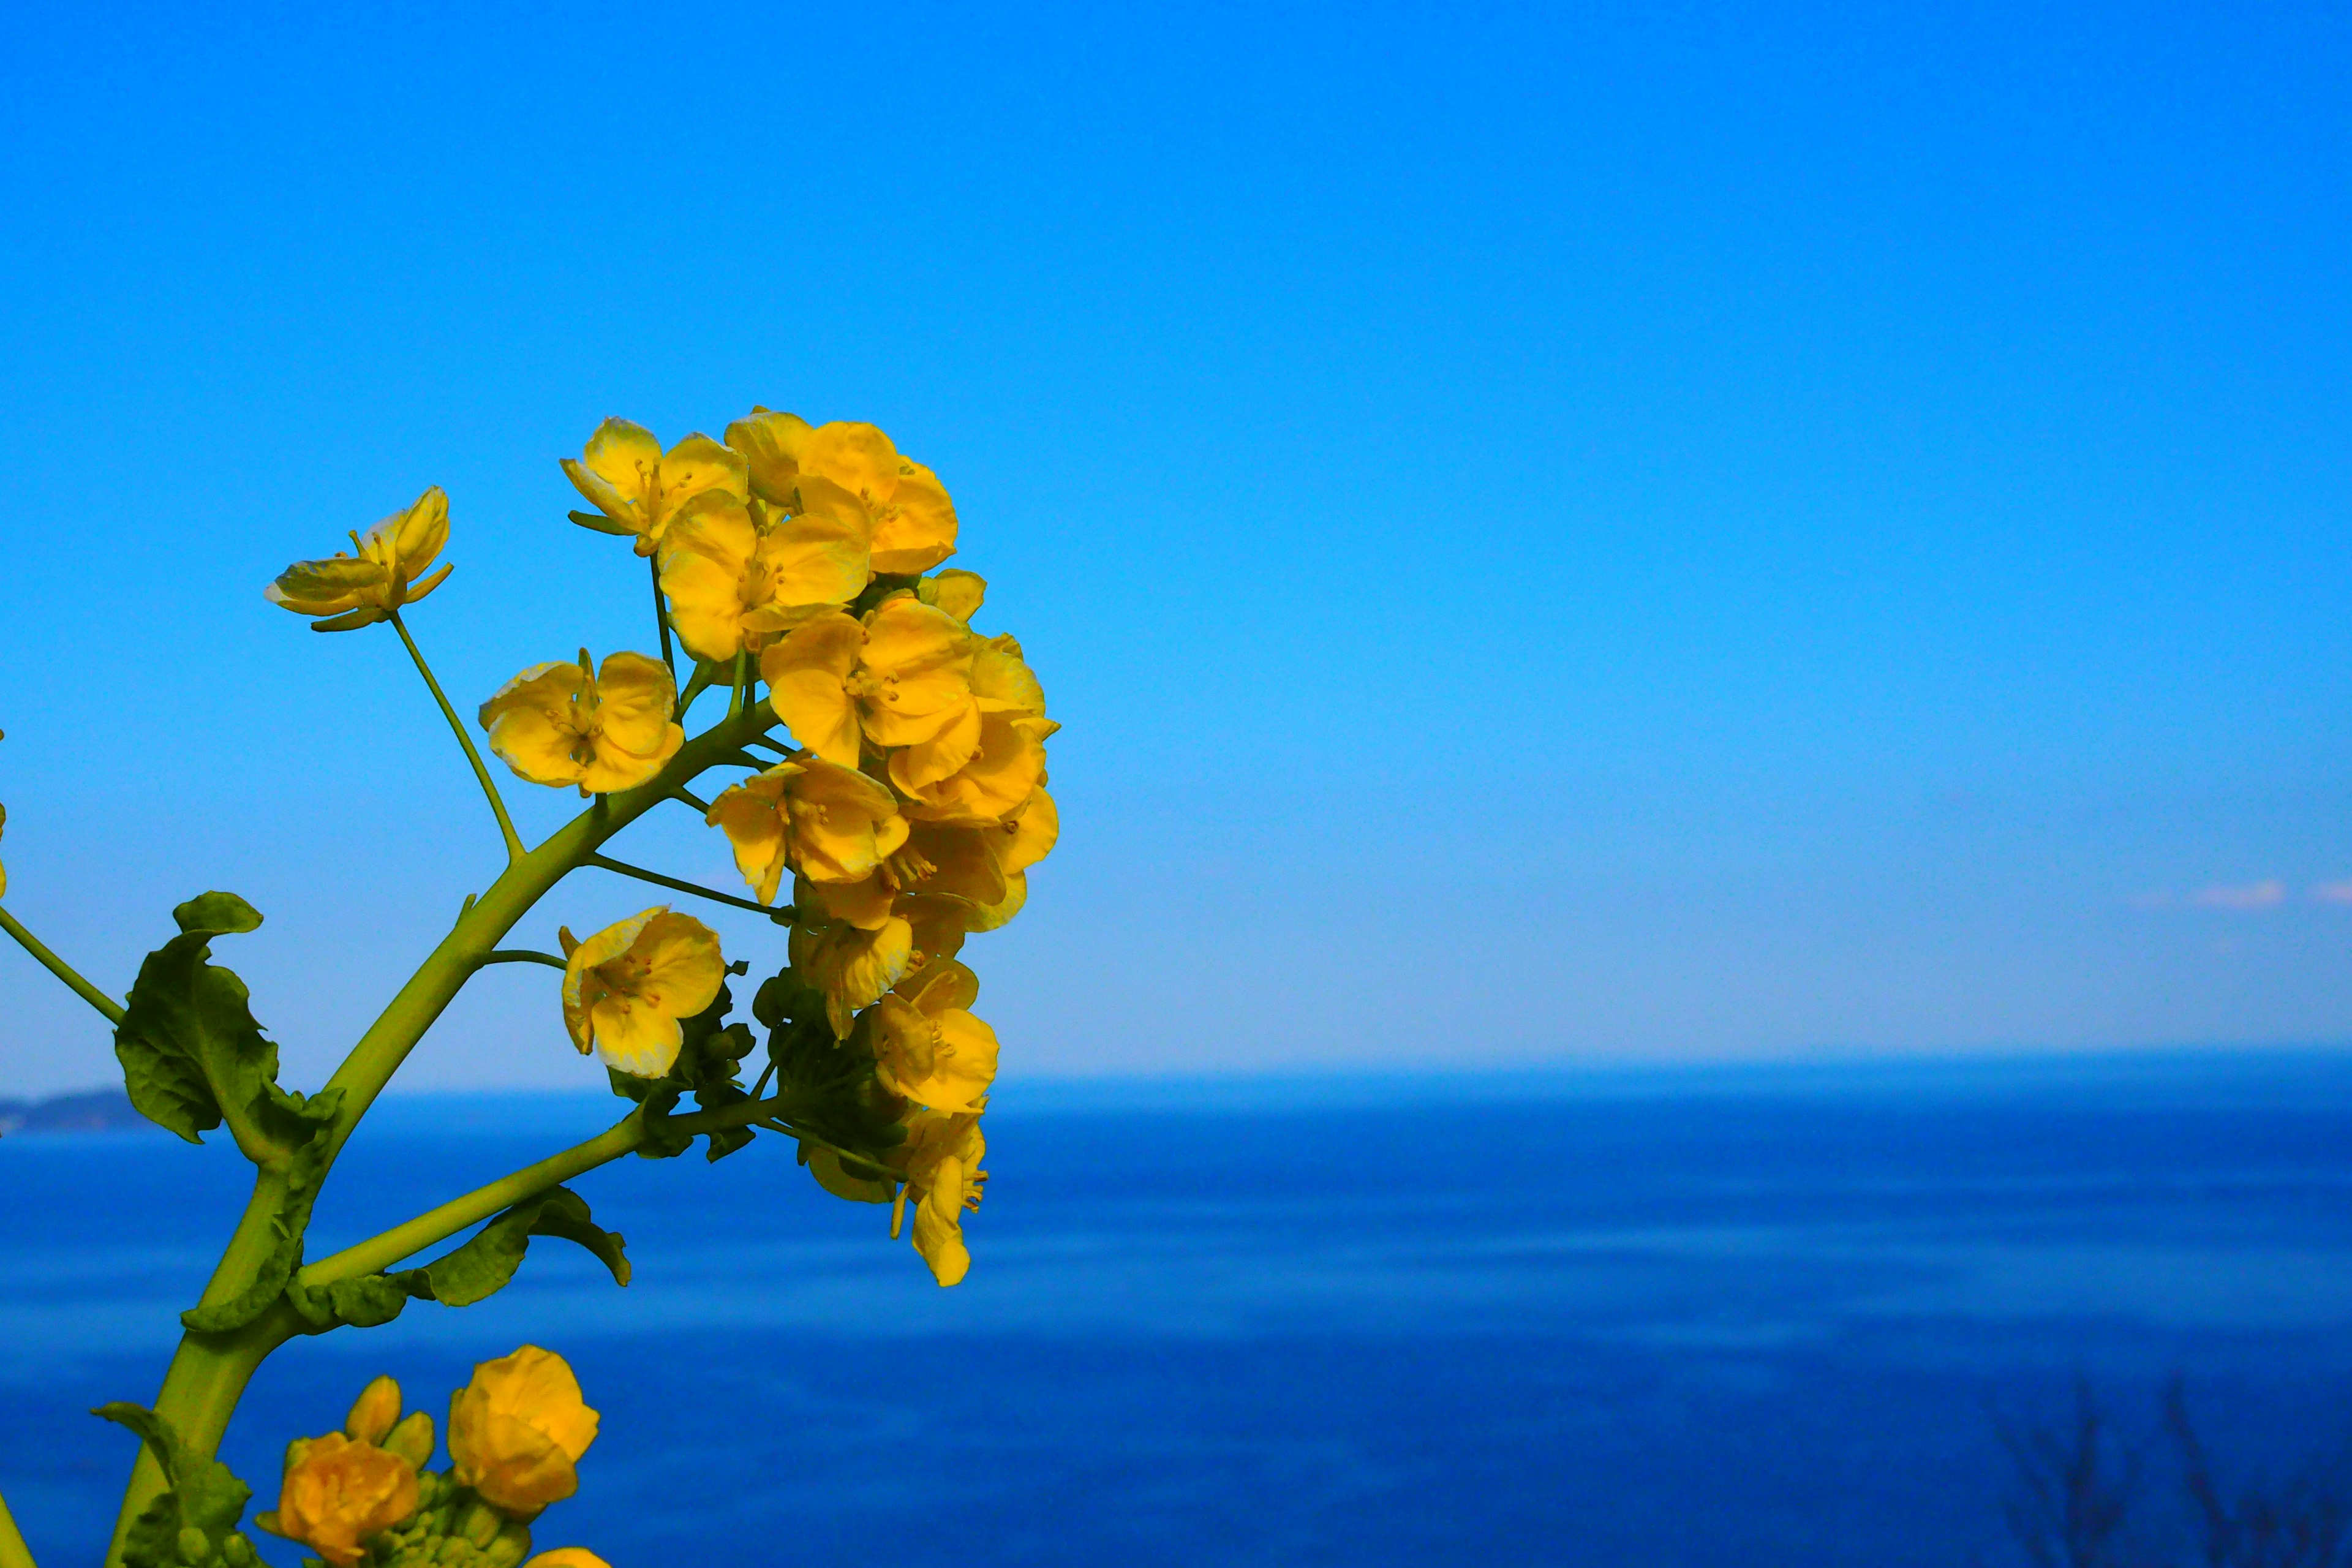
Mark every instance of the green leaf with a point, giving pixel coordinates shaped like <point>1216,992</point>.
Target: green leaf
<point>192,1053</point>
<point>483,1266</point>
<point>297,1171</point>
<point>367,1302</point>
<point>203,1494</point>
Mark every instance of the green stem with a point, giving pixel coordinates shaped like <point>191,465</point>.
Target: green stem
<point>64,972</point>
<point>661,619</point>
<point>13,1553</point>
<point>696,685</point>
<point>622,867</point>
<point>737,694</point>
<point>521,955</point>
<point>412,1236</point>
<point>457,728</point>
<point>208,1372</point>
<point>701,806</point>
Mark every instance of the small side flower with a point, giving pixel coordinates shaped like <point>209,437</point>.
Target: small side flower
<point>359,590</point>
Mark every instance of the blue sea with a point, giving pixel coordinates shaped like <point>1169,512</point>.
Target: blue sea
<point>1762,1316</point>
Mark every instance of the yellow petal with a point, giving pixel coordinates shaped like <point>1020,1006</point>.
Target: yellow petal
<point>1030,837</point>
<point>700,465</point>
<point>805,671</point>
<point>625,455</point>
<point>917,530</point>
<point>771,444</point>
<point>634,697</point>
<point>955,593</point>
<point>817,557</point>
<point>530,720</point>
<point>751,814</point>
<point>855,456</point>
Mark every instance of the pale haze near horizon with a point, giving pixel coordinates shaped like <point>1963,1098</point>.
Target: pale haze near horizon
<point>1756,534</point>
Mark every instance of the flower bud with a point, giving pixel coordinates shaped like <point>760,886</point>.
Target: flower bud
<point>510,1546</point>
<point>194,1544</point>
<point>412,1439</point>
<point>517,1429</point>
<point>373,1414</point>
<point>568,1557</point>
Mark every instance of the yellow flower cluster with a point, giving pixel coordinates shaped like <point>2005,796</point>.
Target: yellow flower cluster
<point>516,1435</point>
<point>904,815</point>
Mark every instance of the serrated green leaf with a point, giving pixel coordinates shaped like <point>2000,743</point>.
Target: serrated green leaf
<point>483,1266</point>
<point>202,1493</point>
<point>193,1054</point>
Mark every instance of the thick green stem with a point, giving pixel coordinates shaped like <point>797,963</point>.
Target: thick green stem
<point>64,972</point>
<point>208,1373</point>
<point>407,1239</point>
<point>458,728</point>
<point>13,1553</point>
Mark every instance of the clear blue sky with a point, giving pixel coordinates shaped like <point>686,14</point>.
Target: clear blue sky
<point>1555,532</point>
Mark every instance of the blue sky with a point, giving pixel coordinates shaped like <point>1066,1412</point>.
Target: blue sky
<point>1554,534</point>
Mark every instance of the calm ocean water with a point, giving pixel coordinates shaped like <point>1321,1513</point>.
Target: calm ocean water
<point>1754,1318</point>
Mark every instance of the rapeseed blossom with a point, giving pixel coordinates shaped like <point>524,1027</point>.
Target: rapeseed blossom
<point>626,988</point>
<point>820,820</point>
<point>637,489</point>
<point>602,730</point>
<point>734,580</point>
<point>914,523</point>
<point>353,591</point>
<point>517,1431</point>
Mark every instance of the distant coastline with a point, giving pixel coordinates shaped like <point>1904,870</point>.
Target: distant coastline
<point>90,1110</point>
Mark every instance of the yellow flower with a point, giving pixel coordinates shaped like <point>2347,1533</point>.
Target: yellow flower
<point>732,583</point>
<point>361,590</point>
<point>1002,772</point>
<point>914,522</point>
<point>638,488</point>
<point>850,964</point>
<point>568,1557</point>
<point>827,822</point>
<point>517,1431</point>
<point>626,988</point>
<point>901,680</point>
<point>571,723</point>
<point>929,1048</point>
<point>339,1493</point>
<point>940,1160</point>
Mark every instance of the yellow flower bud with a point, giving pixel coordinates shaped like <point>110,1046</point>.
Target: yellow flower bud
<point>517,1431</point>
<point>360,590</point>
<point>374,1412</point>
<point>567,1557</point>
<point>341,1494</point>
<point>626,988</point>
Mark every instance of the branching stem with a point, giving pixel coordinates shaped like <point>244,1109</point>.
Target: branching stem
<point>521,955</point>
<point>624,868</point>
<point>489,785</point>
<point>414,1235</point>
<point>81,987</point>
